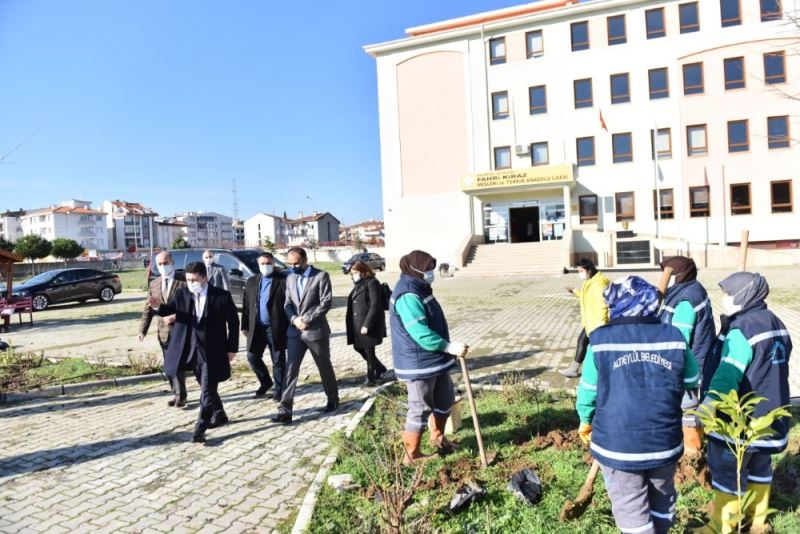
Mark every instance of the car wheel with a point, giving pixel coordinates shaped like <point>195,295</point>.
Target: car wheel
<point>106,294</point>
<point>40,302</point>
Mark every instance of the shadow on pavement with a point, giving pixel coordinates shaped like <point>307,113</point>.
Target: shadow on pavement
<point>87,401</point>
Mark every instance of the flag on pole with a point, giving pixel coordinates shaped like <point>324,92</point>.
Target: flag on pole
<point>603,122</point>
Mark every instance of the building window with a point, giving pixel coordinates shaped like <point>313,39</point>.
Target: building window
<point>654,21</point>
<point>740,199</point>
<point>781,196</point>
<point>699,205</point>
<point>616,30</point>
<point>689,17</point>
<point>696,140</point>
<point>734,73</point>
<point>579,33</point>
<point>502,157</point>
<point>583,93</point>
<point>537,97</point>
<point>774,67</point>
<point>731,13</point>
<point>534,43</point>
<point>737,136</point>
<point>626,206</point>
<point>622,146</point>
<point>588,209</point>
<point>620,88</point>
<point>665,202</point>
<point>693,78</point>
<point>778,132</point>
<point>770,10</point>
<point>663,143</point>
<point>500,105</point>
<point>539,154</point>
<point>497,51</point>
<point>659,83</point>
<point>585,148</point>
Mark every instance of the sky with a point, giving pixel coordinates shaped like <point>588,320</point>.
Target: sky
<point>166,102</point>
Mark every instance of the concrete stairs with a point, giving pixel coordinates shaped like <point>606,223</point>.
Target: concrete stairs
<point>546,257</point>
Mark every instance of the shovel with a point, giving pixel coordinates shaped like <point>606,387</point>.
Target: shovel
<point>474,410</point>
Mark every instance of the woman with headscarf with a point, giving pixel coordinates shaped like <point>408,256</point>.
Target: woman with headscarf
<point>629,404</point>
<point>594,311</point>
<point>686,306</point>
<point>422,354</point>
<point>751,354</point>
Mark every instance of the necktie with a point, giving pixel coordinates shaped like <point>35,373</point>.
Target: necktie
<point>197,306</point>
<point>165,290</point>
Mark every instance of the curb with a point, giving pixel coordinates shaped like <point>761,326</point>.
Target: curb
<point>81,387</point>
<point>303,519</point>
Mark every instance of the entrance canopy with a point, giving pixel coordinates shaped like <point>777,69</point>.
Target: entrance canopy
<point>7,261</point>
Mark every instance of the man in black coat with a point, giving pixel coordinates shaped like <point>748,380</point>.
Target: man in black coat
<point>264,322</point>
<point>205,338</point>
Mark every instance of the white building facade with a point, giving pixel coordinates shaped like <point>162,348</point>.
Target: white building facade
<point>536,123</point>
<point>165,232</point>
<point>321,227</point>
<point>74,219</point>
<point>130,225</point>
<point>262,227</point>
<point>205,229</point>
<point>10,227</point>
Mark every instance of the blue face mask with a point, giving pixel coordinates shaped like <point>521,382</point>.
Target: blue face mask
<point>298,270</point>
<point>428,277</point>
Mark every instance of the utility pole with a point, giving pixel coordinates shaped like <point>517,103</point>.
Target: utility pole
<point>235,200</point>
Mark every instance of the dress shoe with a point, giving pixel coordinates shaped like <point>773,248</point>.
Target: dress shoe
<point>172,402</point>
<point>276,396</point>
<point>198,437</point>
<point>332,406</point>
<point>218,419</point>
<point>262,390</point>
<point>281,418</point>
<point>180,403</point>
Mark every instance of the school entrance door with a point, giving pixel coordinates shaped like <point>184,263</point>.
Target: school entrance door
<point>524,224</point>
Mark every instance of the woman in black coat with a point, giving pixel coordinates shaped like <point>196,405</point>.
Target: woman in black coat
<point>365,319</point>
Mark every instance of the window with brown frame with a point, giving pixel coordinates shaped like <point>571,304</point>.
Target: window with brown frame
<point>534,43</point>
<point>781,193</point>
<point>663,142</point>
<point>502,157</point>
<point>778,132</point>
<point>730,13</point>
<point>616,30</point>
<point>771,10</point>
<point>588,209</point>
<point>622,147</point>
<point>738,138</point>
<point>583,93</point>
<point>584,146</point>
<point>659,83</point>
<point>689,16</point>
<point>667,203</point>
<point>537,99</point>
<point>579,35</point>
<point>620,88</point>
<point>626,206</point>
<point>540,155</point>
<point>734,73</point>
<point>696,140</point>
<point>693,79</point>
<point>774,67</point>
<point>500,105</point>
<point>654,23</point>
<point>740,199</point>
<point>700,201</point>
<point>497,51</point>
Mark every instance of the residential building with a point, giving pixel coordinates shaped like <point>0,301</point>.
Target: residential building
<point>570,121</point>
<point>130,225</point>
<point>207,229</point>
<point>10,228</point>
<point>238,233</point>
<point>322,227</point>
<point>264,226</point>
<point>166,231</point>
<point>370,231</point>
<point>75,219</point>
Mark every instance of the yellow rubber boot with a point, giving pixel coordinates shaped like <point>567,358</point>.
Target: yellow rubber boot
<point>757,511</point>
<point>723,518</point>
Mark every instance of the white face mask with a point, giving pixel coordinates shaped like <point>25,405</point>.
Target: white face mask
<point>671,281</point>
<point>730,307</point>
<point>208,261</point>
<point>266,268</point>
<point>195,287</point>
<point>356,277</point>
<point>582,275</point>
<point>166,269</point>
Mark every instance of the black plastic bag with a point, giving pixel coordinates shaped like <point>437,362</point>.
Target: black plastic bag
<point>526,486</point>
<point>4,345</point>
<point>465,495</point>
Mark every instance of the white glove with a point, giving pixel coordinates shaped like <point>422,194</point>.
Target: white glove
<point>456,348</point>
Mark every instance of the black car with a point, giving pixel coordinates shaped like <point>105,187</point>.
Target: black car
<point>241,264</point>
<point>370,258</point>
<point>66,285</point>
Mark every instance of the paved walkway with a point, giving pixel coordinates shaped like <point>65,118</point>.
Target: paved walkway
<point>121,460</point>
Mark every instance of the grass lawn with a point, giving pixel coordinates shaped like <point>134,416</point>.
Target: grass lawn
<point>522,427</point>
<point>133,279</point>
<point>330,267</point>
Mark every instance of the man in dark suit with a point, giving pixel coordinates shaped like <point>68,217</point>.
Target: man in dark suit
<point>264,323</point>
<point>163,288</point>
<point>308,299</point>
<point>205,338</point>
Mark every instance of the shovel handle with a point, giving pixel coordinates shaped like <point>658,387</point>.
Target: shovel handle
<point>472,407</point>
<point>664,282</point>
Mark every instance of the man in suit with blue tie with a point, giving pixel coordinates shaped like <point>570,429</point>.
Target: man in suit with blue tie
<point>205,339</point>
<point>308,299</point>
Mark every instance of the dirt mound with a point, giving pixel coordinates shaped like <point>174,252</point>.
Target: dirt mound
<point>559,439</point>
<point>693,468</point>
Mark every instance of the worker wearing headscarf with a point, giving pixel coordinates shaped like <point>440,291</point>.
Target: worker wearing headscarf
<point>751,354</point>
<point>422,353</point>
<point>629,404</point>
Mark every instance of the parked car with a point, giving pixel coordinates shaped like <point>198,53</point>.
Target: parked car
<point>370,258</point>
<point>67,285</point>
<point>241,264</point>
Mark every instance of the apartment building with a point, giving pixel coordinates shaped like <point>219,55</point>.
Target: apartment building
<point>207,229</point>
<point>130,225</point>
<point>74,219</point>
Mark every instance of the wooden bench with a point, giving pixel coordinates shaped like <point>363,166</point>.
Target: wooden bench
<point>18,305</point>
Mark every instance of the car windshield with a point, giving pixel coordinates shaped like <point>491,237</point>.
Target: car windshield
<point>250,258</point>
<point>41,278</point>
<point>356,257</point>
